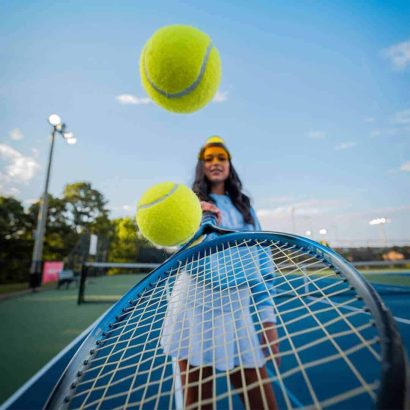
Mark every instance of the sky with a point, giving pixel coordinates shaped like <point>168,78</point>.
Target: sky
<point>314,105</point>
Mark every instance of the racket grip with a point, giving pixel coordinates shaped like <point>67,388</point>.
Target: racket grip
<point>208,218</point>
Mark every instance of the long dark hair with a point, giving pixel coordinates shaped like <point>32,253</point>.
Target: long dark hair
<point>233,188</point>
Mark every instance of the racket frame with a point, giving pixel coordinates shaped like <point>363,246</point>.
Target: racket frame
<point>394,380</point>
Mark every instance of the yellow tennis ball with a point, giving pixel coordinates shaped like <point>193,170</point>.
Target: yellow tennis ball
<point>168,214</point>
<point>180,68</point>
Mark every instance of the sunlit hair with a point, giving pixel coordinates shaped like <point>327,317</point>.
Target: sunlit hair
<point>233,188</point>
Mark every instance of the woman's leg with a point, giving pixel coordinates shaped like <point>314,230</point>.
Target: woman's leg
<point>260,396</point>
<point>196,389</point>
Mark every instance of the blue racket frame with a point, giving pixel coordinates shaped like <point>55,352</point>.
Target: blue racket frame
<point>395,380</point>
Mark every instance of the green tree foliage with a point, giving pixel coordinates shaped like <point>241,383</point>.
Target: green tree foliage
<point>15,241</point>
<point>60,235</point>
<point>86,208</point>
<point>124,240</point>
<point>127,245</point>
<point>13,220</point>
<point>81,210</point>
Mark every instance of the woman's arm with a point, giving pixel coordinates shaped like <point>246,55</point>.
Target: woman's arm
<point>269,340</point>
<point>263,285</point>
<point>264,291</point>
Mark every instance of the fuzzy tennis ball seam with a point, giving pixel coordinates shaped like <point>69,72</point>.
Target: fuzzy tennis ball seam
<point>158,200</point>
<point>186,90</point>
<point>180,68</point>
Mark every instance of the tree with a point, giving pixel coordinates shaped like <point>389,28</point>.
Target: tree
<point>13,220</point>
<point>60,236</point>
<point>15,241</point>
<point>86,208</point>
<point>124,240</point>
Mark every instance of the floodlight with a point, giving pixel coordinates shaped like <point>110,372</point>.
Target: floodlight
<point>379,221</point>
<point>54,120</point>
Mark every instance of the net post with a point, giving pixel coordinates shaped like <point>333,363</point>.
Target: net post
<point>84,271</point>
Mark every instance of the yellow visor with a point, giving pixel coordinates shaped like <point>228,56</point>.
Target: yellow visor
<point>212,154</point>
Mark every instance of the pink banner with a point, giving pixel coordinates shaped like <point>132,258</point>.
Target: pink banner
<point>51,271</point>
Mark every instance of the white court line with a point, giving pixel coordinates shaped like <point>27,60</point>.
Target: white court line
<point>398,319</point>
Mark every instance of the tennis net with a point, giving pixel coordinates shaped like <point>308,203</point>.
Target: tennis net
<point>106,282</point>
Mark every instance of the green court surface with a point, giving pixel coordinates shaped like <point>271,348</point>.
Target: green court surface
<point>395,278</point>
<point>36,326</point>
<point>108,288</point>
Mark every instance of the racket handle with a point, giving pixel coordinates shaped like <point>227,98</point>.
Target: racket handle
<point>208,218</point>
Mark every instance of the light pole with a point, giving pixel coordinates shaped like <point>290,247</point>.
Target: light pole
<point>37,259</point>
<point>381,222</point>
<point>323,231</point>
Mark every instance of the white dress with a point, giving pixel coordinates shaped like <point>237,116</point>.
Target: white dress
<point>209,319</point>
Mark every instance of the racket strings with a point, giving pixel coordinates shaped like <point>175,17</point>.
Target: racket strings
<point>319,321</point>
<point>338,289</point>
<point>248,405</point>
<point>112,363</point>
<point>341,352</point>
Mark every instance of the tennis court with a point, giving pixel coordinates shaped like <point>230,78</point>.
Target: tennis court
<point>37,326</point>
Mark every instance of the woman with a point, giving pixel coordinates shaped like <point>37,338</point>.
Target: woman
<point>209,328</point>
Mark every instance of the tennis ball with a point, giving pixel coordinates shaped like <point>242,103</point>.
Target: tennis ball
<point>180,68</point>
<point>168,214</point>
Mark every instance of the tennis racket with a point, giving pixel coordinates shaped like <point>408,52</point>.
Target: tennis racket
<point>337,345</point>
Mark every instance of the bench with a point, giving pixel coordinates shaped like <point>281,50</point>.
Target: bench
<point>66,276</point>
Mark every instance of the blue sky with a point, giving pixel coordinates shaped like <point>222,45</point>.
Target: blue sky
<point>314,105</point>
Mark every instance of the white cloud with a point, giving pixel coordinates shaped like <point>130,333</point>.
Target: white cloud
<point>376,212</point>
<point>278,200</point>
<point>402,117</point>
<point>220,96</point>
<point>345,225</point>
<point>398,55</point>
<point>405,167</point>
<point>317,135</point>
<point>16,134</point>
<point>19,169</point>
<point>369,120</point>
<point>122,207</point>
<point>303,207</point>
<point>399,125</point>
<point>345,145</point>
<point>127,99</point>
<point>390,131</point>
<point>6,189</point>
<point>299,214</point>
<point>318,206</point>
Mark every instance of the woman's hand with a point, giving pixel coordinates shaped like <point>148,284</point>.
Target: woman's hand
<point>269,339</point>
<point>209,207</point>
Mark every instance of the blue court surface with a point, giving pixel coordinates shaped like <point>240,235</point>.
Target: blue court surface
<point>35,393</point>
